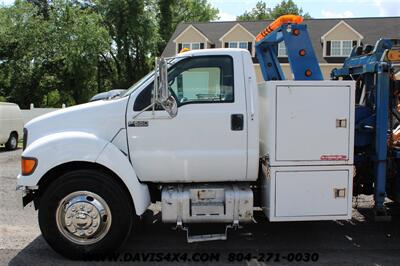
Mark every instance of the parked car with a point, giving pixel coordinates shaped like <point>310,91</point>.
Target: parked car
<point>107,95</point>
<point>11,125</point>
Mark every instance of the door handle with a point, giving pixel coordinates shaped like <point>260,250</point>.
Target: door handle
<point>237,122</point>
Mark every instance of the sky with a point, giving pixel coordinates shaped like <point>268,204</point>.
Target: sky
<point>229,9</point>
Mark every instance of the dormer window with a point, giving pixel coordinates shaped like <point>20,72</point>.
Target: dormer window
<point>191,46</point>
<point>242,45</point>
<point>340,40</point>
<point>282,52</point>
<point>341,48</point>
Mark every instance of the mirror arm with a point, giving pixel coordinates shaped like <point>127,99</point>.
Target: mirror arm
<point>155,87</point>
<point>144,110</point>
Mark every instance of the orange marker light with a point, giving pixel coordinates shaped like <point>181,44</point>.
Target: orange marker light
<point>296,32</point>
<point>302,52</point>
<point>308,73</point>
<point>28,165</point>
<point>294,19</point>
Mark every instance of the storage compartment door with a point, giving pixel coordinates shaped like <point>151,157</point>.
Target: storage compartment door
<point>312,123</point>
<point>311,193</point>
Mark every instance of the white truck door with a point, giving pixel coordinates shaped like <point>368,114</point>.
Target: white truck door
<point>207,140</point>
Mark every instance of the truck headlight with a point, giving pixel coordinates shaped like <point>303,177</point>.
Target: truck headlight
<point>28,165</point>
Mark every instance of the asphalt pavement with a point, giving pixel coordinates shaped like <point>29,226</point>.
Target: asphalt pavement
<point>360,241</point>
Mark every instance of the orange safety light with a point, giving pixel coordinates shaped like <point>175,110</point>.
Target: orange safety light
<point>393,55</point>
<point>183,50</point>
<point>294,19</point>
<point>308,73</point>
<point>28,165</point>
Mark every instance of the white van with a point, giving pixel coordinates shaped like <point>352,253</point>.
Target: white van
<point>11,125</point>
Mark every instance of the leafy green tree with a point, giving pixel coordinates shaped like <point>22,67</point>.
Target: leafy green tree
<point>288,7</point>
<point>42,6</point>
<point>165,21</point>
<point>132,27</point>
<point>259,12</point>
<point>64,51</point>
<point>40,55</point>
<point>173,12</point>
<point>262,12</point>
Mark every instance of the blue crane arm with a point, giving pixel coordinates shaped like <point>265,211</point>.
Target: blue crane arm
<point>301,56</point>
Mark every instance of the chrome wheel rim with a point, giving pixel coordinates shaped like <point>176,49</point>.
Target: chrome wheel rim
<point>83,217</point>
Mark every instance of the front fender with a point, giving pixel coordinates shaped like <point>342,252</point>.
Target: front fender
<point>60,148</point>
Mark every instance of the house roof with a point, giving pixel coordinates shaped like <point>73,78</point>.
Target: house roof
<point>190,27</point>
<point>372,29</point>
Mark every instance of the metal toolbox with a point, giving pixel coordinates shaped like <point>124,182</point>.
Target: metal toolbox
<point>301,193</point>
<point>307,122</point>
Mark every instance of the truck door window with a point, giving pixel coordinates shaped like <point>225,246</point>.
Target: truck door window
<point>205,79</point>
<point>202,79</point>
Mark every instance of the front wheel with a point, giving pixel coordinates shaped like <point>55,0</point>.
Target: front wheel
<point>86,214</point>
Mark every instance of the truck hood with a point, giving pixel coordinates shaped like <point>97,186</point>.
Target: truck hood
<point>101,118</point>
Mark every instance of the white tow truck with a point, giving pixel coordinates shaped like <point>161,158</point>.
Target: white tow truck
<point>204,140</point>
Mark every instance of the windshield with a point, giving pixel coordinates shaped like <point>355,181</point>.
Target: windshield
<point>147,77</point>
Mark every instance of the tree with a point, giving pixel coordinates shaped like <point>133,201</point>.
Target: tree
<point>288,7</point>
<point>173,12</point>
<point>194,11</point>
<point>64,51</point>
<point>132,26</point>
<point>42,57</point>
<point>261,12</point>
<point>42,6</point>
<point>165,24</point>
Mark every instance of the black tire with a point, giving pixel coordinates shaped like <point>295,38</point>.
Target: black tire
<point>12,142</point>
<point>110,190</point>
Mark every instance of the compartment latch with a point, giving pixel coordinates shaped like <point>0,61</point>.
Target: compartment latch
<point>339,192</point>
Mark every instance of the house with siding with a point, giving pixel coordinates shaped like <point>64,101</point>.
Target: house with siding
<point>332,39</point>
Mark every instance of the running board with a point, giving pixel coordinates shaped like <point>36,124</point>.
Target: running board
<point>206,237</point>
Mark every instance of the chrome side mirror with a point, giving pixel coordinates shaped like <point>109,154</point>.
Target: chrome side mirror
<point>162,94</point>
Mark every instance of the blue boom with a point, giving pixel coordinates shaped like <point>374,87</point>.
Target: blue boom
<point>377,156</point>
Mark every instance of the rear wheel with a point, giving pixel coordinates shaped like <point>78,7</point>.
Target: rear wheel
<point>86,214</point>
<point>12,142</point>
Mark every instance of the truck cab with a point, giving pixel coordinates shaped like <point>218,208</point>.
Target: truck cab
<point>216,123</point>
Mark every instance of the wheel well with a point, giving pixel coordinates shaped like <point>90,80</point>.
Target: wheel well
<point>14,132</point>
<point>57,171</point>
